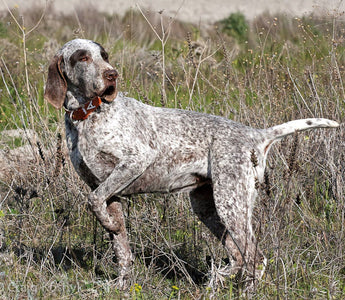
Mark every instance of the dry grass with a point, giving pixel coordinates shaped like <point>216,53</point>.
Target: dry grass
<point>50,244</point>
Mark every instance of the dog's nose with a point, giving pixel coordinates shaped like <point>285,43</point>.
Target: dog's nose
<point>111,75</point>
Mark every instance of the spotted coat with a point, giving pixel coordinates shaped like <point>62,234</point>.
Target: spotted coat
<point>126,147</point>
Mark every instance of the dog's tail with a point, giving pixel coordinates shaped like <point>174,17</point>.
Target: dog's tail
<point>276,133</point>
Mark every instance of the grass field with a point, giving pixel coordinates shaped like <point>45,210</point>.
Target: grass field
<point>261,73</point>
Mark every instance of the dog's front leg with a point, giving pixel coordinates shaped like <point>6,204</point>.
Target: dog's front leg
<point>120,242</point>
<point>108,210</point>
<point>120,178</point>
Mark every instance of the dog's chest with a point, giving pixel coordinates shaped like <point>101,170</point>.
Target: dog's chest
<point>77,159</point>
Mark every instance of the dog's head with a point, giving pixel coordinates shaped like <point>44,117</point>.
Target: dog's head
<point>82,67</point>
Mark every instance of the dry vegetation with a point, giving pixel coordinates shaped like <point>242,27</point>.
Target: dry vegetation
<point>267,72</point>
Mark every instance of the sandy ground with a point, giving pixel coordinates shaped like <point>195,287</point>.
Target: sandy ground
<point>196,11</point>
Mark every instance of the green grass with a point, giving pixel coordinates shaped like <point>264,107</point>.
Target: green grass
<point>280,68</point>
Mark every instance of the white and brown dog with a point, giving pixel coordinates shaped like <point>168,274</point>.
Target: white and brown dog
<point>120,146</point>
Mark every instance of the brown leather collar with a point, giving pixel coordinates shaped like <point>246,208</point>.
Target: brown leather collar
<point>83,112</point>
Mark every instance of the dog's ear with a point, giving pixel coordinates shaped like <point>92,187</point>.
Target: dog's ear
<point>56,85</point>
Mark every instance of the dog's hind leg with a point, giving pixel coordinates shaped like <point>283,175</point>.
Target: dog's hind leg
<point>203,205</point>
<point>234,192</point>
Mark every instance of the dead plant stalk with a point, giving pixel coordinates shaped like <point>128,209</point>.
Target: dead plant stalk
<point>163,39</point>
<point>201,60</point>
<point>25,33</point>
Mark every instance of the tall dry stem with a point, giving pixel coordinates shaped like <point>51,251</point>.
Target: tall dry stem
<point>24,34</point>
<point>163,38</point>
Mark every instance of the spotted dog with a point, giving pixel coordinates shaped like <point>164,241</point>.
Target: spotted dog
<point>120,146</point>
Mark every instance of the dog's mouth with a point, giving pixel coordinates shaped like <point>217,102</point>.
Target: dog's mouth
<point>109,94</point>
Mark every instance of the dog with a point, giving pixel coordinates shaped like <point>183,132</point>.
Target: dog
<point>120,146</point>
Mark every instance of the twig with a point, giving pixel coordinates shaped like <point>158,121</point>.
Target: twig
<point>299,93</point>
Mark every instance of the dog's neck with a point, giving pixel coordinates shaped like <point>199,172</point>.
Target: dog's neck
<point>74,99</point>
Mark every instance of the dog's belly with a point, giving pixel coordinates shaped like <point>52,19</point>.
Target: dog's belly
<point>177,178</point>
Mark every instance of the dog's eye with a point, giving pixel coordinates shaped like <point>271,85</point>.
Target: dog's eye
<point>84,58</point>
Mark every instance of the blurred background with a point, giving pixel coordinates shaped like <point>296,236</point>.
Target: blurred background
<point>195,11</point>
